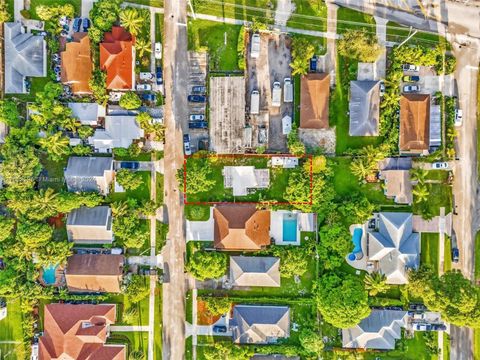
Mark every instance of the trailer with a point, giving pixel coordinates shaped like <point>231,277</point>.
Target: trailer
<point>255,103</point>
<point>276,94</point>
<point>287,90</point>
<point>255,46</point>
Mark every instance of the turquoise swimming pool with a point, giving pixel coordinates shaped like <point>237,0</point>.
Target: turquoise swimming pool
<point>49,275</point>
<point>289,228</point>
<point>357,253</point>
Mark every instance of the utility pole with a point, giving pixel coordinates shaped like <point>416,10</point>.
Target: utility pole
<point>409,36</point>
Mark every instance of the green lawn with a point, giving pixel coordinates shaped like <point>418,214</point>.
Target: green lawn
<point>161,239</point>
<point>197,212</point>
<point>352,19</point>
<point>446,346</point>
<point>309,14</point>
<point>437,175</point>
<point>264,10</point>
<point>476,344</point>
<point>140,193</point>
<point>134,340</point>
<point>319,43</point>
<point>447,260</point>
<point>477,256</point>
<point>10,8</point>
<point>398,33</point>
<point>159,27</point>
<point>407,349</point>
<point>159,186</point>
<point>209,36</point>
<point>10,330</point>
<point>188,307</point>
<point>158,322</point>
<point>429,251</point>
<point>34,3</point>
<point>440,195</point>
<point>53,173</point>
<point>123,304</point>
<point>154,3</point>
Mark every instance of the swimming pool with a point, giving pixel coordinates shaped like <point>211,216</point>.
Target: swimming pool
<point>49,275</point>
<point>289,228</point>
<point>357,253</point>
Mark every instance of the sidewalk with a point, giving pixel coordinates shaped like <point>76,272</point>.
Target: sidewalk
<point>127,328</point>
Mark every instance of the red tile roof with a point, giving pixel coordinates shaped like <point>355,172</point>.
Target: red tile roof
<point>77,64</point>
<point>117,58</point>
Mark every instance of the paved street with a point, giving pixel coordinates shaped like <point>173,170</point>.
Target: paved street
<point>175,73</point>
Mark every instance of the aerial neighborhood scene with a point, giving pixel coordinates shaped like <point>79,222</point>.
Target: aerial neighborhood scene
<point>239,179</point>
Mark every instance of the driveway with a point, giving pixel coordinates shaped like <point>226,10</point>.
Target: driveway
<point>200,230</point>
<point>87,5</point>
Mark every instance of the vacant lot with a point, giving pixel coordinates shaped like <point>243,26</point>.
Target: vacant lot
<point>238,9</point>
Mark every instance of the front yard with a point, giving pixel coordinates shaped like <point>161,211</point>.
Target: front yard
<point>141,193</point>
<point>430,250</point>
<point>137,340</point>
<point>11,331</point>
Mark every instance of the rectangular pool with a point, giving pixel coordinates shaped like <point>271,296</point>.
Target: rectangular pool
<point>49,275</point>
<point>289,228</point>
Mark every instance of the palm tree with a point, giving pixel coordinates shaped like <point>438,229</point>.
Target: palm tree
<point>55,145</point>
<point>375,283</point>
<point>299,66</point>
<point>119,208</point>
<point>419,175</point>
<point>131,20</point>
<point>360,168</point>
<point>142,46</point>
<point>129,315</point>
<point>55,252</point>
<point>136,355</point>
<point>44,201</point>
<point>420,193</point>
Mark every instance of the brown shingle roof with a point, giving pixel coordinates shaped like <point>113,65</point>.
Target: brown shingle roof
<point>241,227</point>
<point>94,273</point>
<point>78,332</point>
<point>414,123</point>
<point>77,64</point>
<point>315,92</point>
<point>116,58</point>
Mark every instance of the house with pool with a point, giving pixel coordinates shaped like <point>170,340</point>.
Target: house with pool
<point>387,244</point>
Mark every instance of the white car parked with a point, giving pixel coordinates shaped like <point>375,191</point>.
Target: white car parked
<point>146,76</point>
<point>158,50</point>
<point>458,117</point>
<point>440,165</point>
<point>144,87</point>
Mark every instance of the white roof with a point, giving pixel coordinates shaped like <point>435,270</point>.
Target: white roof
<point>87,113</point>
<point>285,161</point>
<point>119,132</point>
<point>286,125</point>
<point>241,178</point>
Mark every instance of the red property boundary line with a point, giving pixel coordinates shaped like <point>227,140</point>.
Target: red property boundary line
<point>186,157</point>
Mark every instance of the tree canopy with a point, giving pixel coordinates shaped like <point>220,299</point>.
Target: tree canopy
<point>130,101</point>
<point>137,289</point>
<point>335,243</point>
<point>129,180</point>
<point>359,45</point>
<point>207,264</point>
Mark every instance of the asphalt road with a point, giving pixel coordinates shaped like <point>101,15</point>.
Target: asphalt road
<point>175,80</point>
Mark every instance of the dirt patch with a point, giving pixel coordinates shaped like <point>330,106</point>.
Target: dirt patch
<point>203,316</point>
<point>323,138</point>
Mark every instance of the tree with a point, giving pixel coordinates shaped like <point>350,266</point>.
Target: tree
<point>318,164</point>
<point>343,302</point>
<point>8,112</point>
<point>311,341</point>
<point>54,253</point>
<point>295,146</point>
<point>419,175</point>
<point>136,355</point>
<point>129,315</point>
<point>129,180</point>
<point>52,12</point>
<point>150,127</point>
<point>375,283</point>
<point>217,305</point>
<point>302,52</point>
<point>131,20</point>
<point>104,13</point>
<point>34,234</point>
<point>4,15</point>
<point>82,150</point>
<point>98,84</point>
<point>204,265</point>
<point>19,171</point>
<point>293,260</point>
<point>359,45</point>
<point>148,208</point>
<point>85,131</point>
<point>130,101</point>
<point>223,350</point>
<point>360,169</point>
<point>143,47</point>
<point>420,193</point>
<point>198,176</point>
<point>56,146</point>
<point>131,231</point>
<point>137,289</point>
<point>335,243</point>
<point>299,66</point>
<point>6,228</point>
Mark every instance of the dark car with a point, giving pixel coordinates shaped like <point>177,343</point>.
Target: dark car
<point>455,255</point>
<point>197,98</point>
<point>411,78</point>
<point>197,124</point>
<point>77,22</point>
<point>85,24</point>
<point>159,75</point>
<point>149,97</point>
<point>129,165</point>
<point>219,329</point>
<point>313,63</point>
<point>198,89</point>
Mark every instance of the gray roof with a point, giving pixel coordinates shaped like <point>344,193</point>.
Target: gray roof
<point>87,113</point>
<point>119,132</point>
<point>255,271</point>
<point>253,324</point>
<point>88,166</point>
<point>395,163</point>
<point>364,108</point>
<point>26,55</point>
<point>435,125</point>
<point>395,246</point>
<point>378,331</point>
<point>85,216</point>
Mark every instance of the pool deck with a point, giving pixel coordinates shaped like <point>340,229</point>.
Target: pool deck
<point>362,263</point>
<point>305,222</point>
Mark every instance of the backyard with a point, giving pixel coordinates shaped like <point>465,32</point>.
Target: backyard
<point>11,336</point>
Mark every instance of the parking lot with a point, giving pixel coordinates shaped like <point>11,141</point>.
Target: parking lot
<point>271,65</point>
<point>429,82</point>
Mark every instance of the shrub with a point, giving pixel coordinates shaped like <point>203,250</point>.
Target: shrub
<point>241,48</point>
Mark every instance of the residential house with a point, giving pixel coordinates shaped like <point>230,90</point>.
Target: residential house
<point>241,227</point>
<point>378,331</point>
<point>398,185</point>
<point>26,56</point>
<point>90,225</point>
<point>119,132</point>
<point>90,114</point>
<point>89,174</point>
<point>257,324</point>
<point>393,246</point>
<point>117,58</point>
<point>77,64</point>
<point>314,98</point>
<point>364,108</point>
<point>79,332</point>
<point>89,273</point>
<point>415,124</point>
<point>255,271</point>
<point>244,178</point>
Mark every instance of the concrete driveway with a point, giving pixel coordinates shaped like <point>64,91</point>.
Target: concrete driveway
<point>87,5</point>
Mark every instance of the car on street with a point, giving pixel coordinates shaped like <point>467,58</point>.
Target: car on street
<point>439,165</point>
<point>85,24</point>
<point>146,76</point>
<point>77,22</point>
<point>158,50</point>
<point>186,144</point>
<point>219,329</point>
<point>198,125</point>
<point>455,255</point>
<point>411,67</point>
<point>458,117</point>
<point>382,88</point>
<point>411,78</point>
<point>197,98</point>
<point>159,75</point>
<point>144,87</point>
<point>129,165</point>
<point>313,63</point>
<point>411,88</point>
<point>197,117</point>
<point>198,89</point>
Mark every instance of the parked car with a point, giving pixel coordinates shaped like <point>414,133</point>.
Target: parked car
<point>458,117</point>
<point>77,22</point>
<point>219,329</point>
<point>129,165</point>
<point>144,87</point>
<point>382,88</point>
<point>186,144</point>
<point>411,88</point>
<point>439,165</point>
<point>197,117</point>
<point>198,89</point>
<point>149,97</point>
<point>410,67</point>
<point>158,50</point>
<point>159,75</point>
<point>411,78</point>
<point>455,255</point>
<point>313,63</point>
<point>197,98</point>
<point>146,76</point>
<point>198,125</point>
<point>85,24</point>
